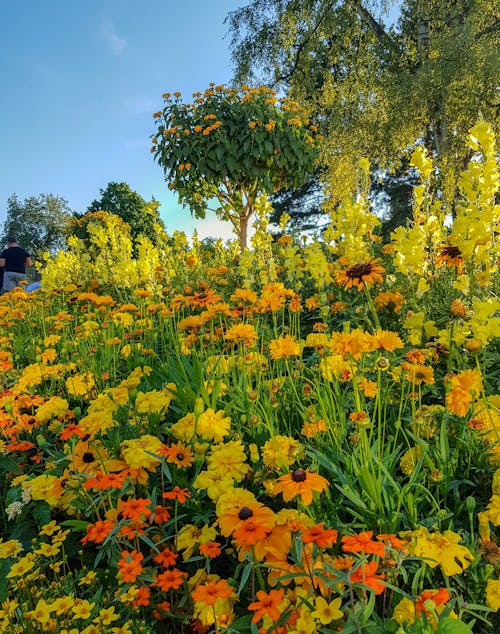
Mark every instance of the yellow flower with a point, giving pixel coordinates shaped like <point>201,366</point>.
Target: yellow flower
<point>279,452</point>
<point>55,406</point>
<point>493,594</point>
<point>22,566</point>
<point>439,549</point>
<point>284,347</point>
<point>80,384</point>
<point>327,612</point>
<point>137,452</point>
<point>10,548</point>
<point>82,609</point>
<point>404,612</point>
<point>152,402</point>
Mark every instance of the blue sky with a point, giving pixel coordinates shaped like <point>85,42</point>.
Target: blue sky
<point>80,80</point>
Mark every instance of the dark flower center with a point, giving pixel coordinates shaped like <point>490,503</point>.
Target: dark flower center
<point>359,271</point>
<point>299,475</point>
<point>88,457</point>
<point>245,513</point>
<point>452,252</point>
<point>180,456</point>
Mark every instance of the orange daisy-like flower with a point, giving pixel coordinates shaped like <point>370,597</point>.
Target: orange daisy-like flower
<point>418,374</point>
<point>438,597</point>
<point>178,454</point>
<point>362,543</point>
<point>209,592</point>
<point>98,532</point>
<point>361,274</point>
<point>136,509</point>
<point>233,518</point>
<point>300,483</point>
<point>450,256</point>
<point>322,537</point>
<point>166,558</point>
<point>210,549</point>
<point>267,604</point>
<point>170,579</point>
<point>181,495</point>
<point>130,566</point>
<point>365,574</point>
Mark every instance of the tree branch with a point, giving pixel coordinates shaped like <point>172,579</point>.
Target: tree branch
<point>490,29</point>
<point>377,28</point>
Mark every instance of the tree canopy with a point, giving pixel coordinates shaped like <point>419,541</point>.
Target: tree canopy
<point>119,199</point>
<point>376,86</point>
<point>39,223</point>
<point>233,146</point>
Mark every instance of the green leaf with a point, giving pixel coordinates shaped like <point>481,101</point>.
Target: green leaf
<point>452,626</point>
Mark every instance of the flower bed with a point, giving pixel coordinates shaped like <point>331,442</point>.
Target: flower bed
<point>295,439</point>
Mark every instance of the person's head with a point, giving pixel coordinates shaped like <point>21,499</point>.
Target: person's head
<point>11,240</point>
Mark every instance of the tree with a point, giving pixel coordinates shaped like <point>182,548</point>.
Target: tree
<point>374,88</point>
<point>119,199</point>
<point>303,205</point>
<point>38,223</point>
<point>233,146</point>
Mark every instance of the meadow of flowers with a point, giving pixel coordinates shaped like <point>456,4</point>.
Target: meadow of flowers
<point>299,438</point>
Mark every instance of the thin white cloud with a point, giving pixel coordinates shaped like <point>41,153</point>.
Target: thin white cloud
<point>109,35</point>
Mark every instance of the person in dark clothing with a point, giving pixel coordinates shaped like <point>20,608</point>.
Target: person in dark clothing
<point>14,259</point>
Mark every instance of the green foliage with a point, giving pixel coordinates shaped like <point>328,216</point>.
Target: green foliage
<point>377,87</point>
<point>119,199</point>
<point>232,145</point>
<point>38,222</point>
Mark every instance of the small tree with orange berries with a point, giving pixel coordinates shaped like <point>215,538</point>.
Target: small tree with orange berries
<point>232,145</point>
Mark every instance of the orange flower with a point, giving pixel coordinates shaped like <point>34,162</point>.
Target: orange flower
<point>103,481</point>
<point>465,387</point>
<point>438,597</point>
<point>142,597</point>
<point>209,592</point>
<point>136,509</point>
<point>179,455</point>
<point>365,574</point>
<point>166,558</point>
<point>359,275</point>
<point>170,579</point>
<point>418,374</point>
<point>362,543</point>
<point>234,517</point>
<point>130,566</point>
<point>181,495</point>
<point>250,533</point>
<point>98,532</point>
<point>302,483</point>
<point>267,604</point>
<point>450,256</point>
<point>210,549</point>
<point>322,537</point>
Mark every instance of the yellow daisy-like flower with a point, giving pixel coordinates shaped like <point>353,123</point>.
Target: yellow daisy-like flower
<point>284,347</point>
<point>327,612</point>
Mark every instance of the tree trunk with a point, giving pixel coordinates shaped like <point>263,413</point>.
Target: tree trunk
<point>243,230</point>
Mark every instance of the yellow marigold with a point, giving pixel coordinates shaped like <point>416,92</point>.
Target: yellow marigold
<point>493,594</point>
<point>210,425</point>
<point>80,384</point>
<point>137,452</point>
<point>279,452</point>
<point>465,387</point>
<point>243,334</point>
<point>439,549</point>
<point>54,407</point>
<point>229,458</point>
<point>284,347</point>
<point>152,402</point>
<point>409,460</point>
